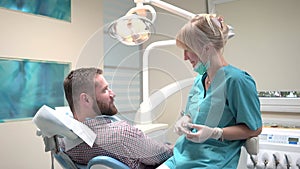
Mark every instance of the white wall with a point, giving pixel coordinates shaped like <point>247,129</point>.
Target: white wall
<point>266,42</point>
<point>42,38</point>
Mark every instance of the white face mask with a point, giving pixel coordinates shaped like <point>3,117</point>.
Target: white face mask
<point>201,68</point>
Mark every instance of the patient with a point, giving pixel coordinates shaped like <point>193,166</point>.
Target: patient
<point>92,103</point>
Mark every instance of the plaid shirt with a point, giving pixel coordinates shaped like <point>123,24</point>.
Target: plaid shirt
<point>121,141</point>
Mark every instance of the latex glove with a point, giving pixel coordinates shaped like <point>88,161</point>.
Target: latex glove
<point>203,133</point>
<point>181,125</point>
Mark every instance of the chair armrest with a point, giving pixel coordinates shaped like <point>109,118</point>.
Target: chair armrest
<point>106,161</point>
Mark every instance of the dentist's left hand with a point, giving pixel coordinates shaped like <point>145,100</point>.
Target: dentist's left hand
<point>181,125</point>
<point>203,133</point>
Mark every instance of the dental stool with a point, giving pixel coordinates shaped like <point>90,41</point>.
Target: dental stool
<point>53,125</point>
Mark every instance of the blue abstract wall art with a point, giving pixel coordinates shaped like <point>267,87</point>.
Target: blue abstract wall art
<point>26,85</point>
<point>58,9</point>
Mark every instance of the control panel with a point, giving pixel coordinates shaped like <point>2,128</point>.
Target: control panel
<point>281,136</point>
<point>279,148</point>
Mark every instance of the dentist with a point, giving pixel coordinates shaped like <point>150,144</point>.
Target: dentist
<point>223,108</point>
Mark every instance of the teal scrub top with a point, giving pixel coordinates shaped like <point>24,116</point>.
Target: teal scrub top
<point>231,99</point>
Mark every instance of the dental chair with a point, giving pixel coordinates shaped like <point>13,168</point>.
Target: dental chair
<point>53,125</point>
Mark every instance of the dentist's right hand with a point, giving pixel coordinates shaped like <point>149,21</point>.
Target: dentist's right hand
<point>181,125</point>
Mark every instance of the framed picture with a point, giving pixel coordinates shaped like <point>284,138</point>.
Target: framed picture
<point>59,9</point>
<point>26,85</point>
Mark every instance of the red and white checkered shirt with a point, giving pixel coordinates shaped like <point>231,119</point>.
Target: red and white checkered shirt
<point>121,141</point>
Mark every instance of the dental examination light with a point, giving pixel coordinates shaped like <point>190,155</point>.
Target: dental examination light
<point>131,29</point>
<point>136,26</point>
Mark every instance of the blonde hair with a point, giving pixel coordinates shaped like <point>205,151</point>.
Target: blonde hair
<point>201,30</point>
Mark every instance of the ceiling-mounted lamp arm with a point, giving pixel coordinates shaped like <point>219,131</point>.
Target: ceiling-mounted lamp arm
<point>183,13</point>
<point>171,8</point>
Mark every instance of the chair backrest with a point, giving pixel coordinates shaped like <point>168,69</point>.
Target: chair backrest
<point>51,128</point>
